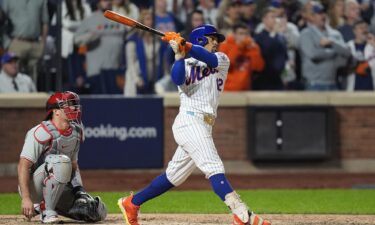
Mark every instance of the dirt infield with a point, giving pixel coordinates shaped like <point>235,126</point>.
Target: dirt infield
<point>215,219</point>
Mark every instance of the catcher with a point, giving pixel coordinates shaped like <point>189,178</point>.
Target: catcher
<point>49,180</point>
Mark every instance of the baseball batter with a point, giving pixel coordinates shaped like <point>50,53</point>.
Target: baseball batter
<point>48,174</point>
<point>200,81</point>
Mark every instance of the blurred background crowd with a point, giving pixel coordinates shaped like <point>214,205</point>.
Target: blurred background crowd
<point>54,45</point>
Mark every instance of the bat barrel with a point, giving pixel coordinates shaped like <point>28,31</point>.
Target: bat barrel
<point>130,22</point>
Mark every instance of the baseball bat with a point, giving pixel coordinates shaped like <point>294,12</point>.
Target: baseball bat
<point>130,22</point>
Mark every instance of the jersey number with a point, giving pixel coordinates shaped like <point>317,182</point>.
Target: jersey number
<point>219,83</point>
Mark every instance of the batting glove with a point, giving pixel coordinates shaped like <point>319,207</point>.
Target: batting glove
<point>183,44</point>
<point>179,53</point>
<point>168,36</point>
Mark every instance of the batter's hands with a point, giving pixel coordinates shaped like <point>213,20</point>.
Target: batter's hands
<point>27,208</point>
<point>179,52</point>
<point>183,44</point>
<point>168,36</point>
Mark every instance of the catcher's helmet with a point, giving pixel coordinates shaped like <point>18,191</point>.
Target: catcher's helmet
<point>67,101</point>
<point>198,35</point>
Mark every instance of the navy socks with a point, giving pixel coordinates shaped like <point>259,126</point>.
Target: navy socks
<point>221,185</point>
<point>157,187</point>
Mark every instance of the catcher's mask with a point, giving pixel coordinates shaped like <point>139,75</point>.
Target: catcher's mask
<point>68,102</point>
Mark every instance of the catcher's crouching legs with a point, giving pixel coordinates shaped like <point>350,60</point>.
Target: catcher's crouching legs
<point>87,208</point>
<point>58,169</point>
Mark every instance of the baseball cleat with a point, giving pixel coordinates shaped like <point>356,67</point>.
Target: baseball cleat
<point>50,219</point>
<point>129,210</point>
<point>257,220</point>
<point>254,220</point>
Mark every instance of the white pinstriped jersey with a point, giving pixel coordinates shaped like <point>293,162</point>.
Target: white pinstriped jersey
<point>199,94</point>
<point>203,85</point>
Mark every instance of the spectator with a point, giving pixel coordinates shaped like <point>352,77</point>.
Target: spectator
<point>362,77</point>
<point>245,57</point>
<point>10,78</point>
<point>291,34</point>
<point>352,15</point>
<point>29,31</point>
<point>370,56</point>
<point>164,20</point>
<point>322,51</point>
<point>181,8</point>
<point>367,10</point>
<point>209,10</point>
<point>304,17</point>
<point>195,19</point>
<point>126,8</point>
<point>372,16</point>
<point>174,6</point>
<point>73,13</point>
<point>274,52</point>
<point>292,9</point>
<point>247,12</point>
<point>103,39</point>
<point>3,26</point>
<point>140,75</point>
<point>231,15</point>
<point>336,13</point>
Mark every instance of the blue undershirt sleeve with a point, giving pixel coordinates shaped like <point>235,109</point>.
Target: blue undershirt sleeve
<point>178,72</point>
<point>200,53</point>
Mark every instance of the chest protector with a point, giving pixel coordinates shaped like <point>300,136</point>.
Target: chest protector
<point>56,143</point>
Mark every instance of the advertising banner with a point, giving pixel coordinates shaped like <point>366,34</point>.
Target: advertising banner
<point>122,133</point>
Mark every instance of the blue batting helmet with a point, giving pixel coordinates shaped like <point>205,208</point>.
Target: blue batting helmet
<point>198,35</point>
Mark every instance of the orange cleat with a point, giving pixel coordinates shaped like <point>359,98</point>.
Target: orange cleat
<point>129,210</point>
<point>254,220</point>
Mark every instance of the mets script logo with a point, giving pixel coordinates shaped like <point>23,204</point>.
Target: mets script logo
<point>198,73</point>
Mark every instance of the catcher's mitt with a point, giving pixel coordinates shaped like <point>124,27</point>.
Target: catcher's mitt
<point>87,208</point>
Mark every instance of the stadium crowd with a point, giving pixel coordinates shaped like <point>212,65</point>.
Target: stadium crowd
<point>272,44</point>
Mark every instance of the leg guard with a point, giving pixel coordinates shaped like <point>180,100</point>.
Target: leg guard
<point>238,208</point>
<point>59,170</point>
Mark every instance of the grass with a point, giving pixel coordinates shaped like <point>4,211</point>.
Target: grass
<point>326,201</point>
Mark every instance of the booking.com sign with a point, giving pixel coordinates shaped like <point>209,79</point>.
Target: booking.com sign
<point>122,133</point>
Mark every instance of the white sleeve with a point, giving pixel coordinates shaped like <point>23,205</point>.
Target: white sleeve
<point>223,64</point>
<point>32,149</point>
<point>134,11</point>
<point>87,10</point>
<point>370,57</point>
<point>31,84</point>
